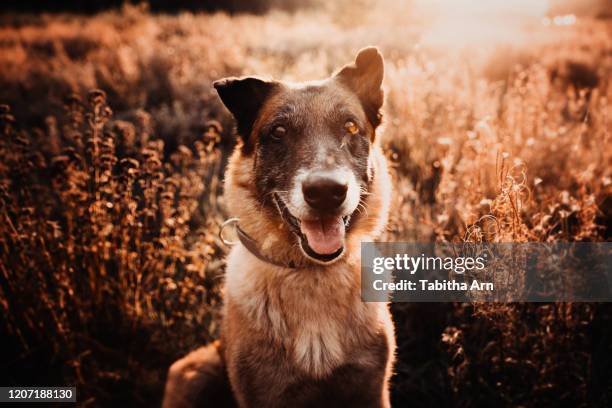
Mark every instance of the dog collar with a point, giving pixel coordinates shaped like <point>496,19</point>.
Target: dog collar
<point>251,245</point>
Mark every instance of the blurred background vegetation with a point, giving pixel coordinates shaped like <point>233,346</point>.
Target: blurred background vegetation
<point>113,145</point>
<point>233,6</point>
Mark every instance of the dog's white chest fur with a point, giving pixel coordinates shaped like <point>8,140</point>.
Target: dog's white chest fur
<point>313,316</point>
<point>317,345</point>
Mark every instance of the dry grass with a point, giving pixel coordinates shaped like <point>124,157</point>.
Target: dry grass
<point>109,262</point>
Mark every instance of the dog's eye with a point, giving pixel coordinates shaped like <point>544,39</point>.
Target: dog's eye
<point>351,128</point>
<point>279,132</point>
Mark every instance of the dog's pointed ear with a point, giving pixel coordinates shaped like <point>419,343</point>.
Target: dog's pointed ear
<point>244,97</point>
<point>364,77</point>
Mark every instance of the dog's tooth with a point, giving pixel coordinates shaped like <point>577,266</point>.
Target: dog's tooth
<point>347,220</point>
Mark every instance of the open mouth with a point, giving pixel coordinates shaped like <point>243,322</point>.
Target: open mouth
<point>321,239</point>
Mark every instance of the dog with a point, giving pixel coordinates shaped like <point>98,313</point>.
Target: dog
<point>308,183</point>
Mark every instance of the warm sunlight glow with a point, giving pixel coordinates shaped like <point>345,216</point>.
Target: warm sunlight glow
<point>564,20</point>
<point>489,8</point>
<point>475,23</point>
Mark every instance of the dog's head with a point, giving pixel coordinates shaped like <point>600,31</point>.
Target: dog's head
<point>310,144</point>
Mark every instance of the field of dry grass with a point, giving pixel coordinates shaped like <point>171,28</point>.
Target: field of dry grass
<point>112,146</point>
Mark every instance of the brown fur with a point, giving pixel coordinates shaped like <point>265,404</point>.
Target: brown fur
<point>198,379</point>
<point>296,337</point>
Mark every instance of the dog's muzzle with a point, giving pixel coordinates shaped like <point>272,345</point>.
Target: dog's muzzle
<point>296,228</point>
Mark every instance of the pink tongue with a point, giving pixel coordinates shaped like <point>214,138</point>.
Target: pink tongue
<point>324,236</point>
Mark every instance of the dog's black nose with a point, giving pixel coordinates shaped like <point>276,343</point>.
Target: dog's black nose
<point>323,192</point>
